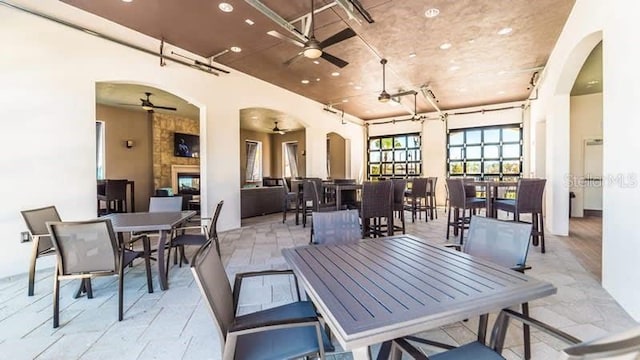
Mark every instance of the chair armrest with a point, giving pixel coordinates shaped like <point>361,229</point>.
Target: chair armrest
<point>501,324</point>
<point>274,325</point>
<point>237,285</point>
<point>183,228</point>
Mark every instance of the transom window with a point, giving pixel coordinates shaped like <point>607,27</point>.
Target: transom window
<point>485,153</point>
<point>394,156</point>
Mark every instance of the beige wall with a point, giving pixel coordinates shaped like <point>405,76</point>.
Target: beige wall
<point>276,151</point>
<point>164,125</point>
<point>585,123</point>
<point>337,156</point>
<point>123,163</point>
<point>267,152</point>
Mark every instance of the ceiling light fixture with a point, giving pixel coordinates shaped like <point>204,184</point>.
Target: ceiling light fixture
<point>226,7</point>
<point>454,68</point>
<point>431,13</point>
<point>445,46</point>
<point>235,49</point>
<point>127,1</point>
<point>412,55</point>
<point>249,21</point>
<point>316,62</point>
<point>505,31</point>
<point>335,73</point>
<point>305,81</point>
<point>384,95</point>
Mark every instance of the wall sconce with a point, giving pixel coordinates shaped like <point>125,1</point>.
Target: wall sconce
<point>128,143</point>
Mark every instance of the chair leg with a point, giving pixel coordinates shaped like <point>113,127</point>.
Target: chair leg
<point>526,333</point>
<point>482,328</point>
<point>541,232</point>
<point>32,268</point>
<point>87,287</point>
<point>120,291</point>
<point>147,262</point>
<point>166,271</point>
<point>462,221</point>
<point>56,299</point>
<point>448,222</point>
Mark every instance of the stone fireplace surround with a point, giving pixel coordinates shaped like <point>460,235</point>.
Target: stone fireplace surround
<point>182,169</point>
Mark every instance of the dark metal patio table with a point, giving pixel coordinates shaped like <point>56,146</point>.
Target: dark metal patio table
<point>381,289</point>
<point>162,222</point>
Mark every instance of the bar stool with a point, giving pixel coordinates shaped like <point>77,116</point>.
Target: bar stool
<point>115,197</point>
<point>431,197</point>
<point>417,198</point>
<point>528,201</point>
<point>459,203</point>
<point>399,187</point>
<point>377,204</point>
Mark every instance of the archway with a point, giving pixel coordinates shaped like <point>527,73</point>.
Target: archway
<point>338,156</point>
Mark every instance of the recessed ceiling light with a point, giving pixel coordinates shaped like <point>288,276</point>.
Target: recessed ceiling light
<point>235,49</point>
<point>345,100</point>
<point>501,92</point>
<point>335,73</point>
<point>505,31</point>
<point>226,7</point>
<point>412,55</point>
<point>305,81</point>
<point>249,21</point>
<point>358,87</point>
<point>317,79</point>
<point>593,82</point>
<point>316,62</point>
<point>471,41</point>
<point>127,0</point>
<point>454,68</point>
<point>431,13</point>
<point>445,46</point>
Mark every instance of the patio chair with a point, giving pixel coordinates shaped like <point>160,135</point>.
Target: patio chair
<point>115,197</point>
<point>336,227</point>
<point>165,203</point>
<point>313,199</point>
<point>399,187</point>
<point>183,238</point>
<point>36,220</point>
<point>289,197</point>
<point>377,205</point>
<point>459,204</point>
<point>88,249</point>
<point>284,332</point>
<point>417,199</point>
<point>623,344</point>
<point>504,243</point>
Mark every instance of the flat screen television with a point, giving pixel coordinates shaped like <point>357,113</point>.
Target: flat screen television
<point>186,145</point>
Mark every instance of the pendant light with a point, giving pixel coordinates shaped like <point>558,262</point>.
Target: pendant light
<point>384,95</point>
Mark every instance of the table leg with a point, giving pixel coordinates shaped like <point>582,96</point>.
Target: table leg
<point>361,353</point>
<point>162,239</point>
<point>338,198</point>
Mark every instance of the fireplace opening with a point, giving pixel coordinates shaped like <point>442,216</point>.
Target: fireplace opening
<point>188,184</point>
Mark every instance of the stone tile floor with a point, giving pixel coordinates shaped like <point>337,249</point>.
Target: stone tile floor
<point>175,324</point>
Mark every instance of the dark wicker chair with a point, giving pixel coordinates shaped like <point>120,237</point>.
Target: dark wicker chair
<point>459,204</point>
<point>417,199</point>
<point>399,188</point>
<point>431,197</point>
<point>36,220</point>
<point>289,197</point>
<point>349,199</point>
<point>377,206</point>
<point>626,343</point>
<point>285,332</point>
<point>88,249</point>
<point>336,227</point>
<point>528,201</point>
<point>183,238</point>
<point>313,199</point>
<point>115,197</point>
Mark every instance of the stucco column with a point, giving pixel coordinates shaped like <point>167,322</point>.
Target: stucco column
<point>557,166</point>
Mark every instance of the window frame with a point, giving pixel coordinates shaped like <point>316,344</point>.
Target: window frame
<point>397,160</point>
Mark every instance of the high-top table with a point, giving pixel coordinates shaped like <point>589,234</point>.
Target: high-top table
<point>339,188</point>
<point>381,289</point>
<point>162,222</point>
<point>490,188</point>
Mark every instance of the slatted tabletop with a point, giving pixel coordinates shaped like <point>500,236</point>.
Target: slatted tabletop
<point>380,289</point>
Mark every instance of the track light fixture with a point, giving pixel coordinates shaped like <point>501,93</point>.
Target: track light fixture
<point>384,95</point>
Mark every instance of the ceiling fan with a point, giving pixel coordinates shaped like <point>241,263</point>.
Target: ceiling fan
<point>149,106</point>
<point>277,130</point>
<point>313,49</point>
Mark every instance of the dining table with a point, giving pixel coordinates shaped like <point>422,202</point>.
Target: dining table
<point>491,189</point>
<point>162,222</point>
<point>339,188</point>
<point>377,290</point>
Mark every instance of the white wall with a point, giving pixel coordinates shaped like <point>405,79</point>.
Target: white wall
<point>47,95</point>
<point>590,22</point>
<point>586,123</point>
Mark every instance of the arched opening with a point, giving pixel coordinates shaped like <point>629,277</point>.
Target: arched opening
<point>136,140</point>
<point>338,156</point>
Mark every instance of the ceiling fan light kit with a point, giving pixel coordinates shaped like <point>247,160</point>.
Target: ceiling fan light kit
<point>384,95</point>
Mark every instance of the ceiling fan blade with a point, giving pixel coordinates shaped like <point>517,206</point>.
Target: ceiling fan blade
<point>334,60</point>
<point>285,38</point>
<point>293,59</point>
<point>164,107</point>
<point>338,37</point>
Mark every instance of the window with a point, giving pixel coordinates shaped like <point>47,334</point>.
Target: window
<point>290,159</point>
<point>394,156</point>
<point>487,153</point>
<point>100,142</point>
<point>254,161</point>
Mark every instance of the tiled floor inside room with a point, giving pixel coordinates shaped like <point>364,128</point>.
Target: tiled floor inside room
<point>175,324</point>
